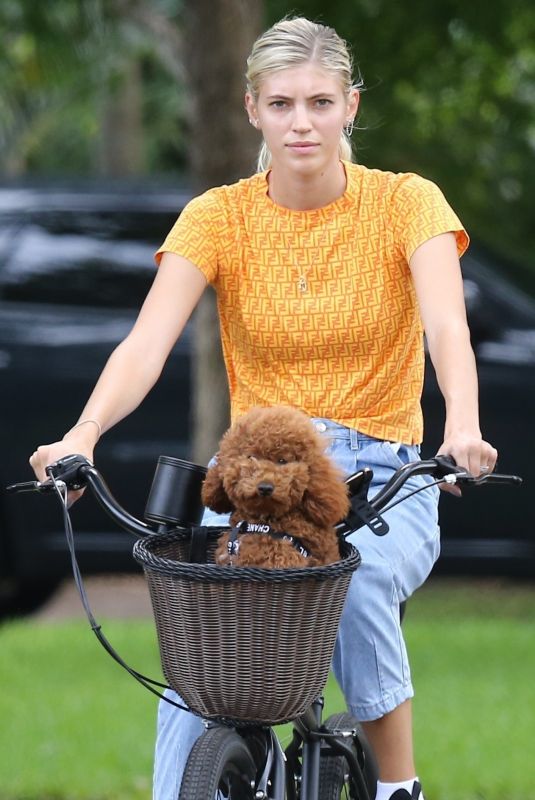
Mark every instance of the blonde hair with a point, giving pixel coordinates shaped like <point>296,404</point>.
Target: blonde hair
<point>294,41</point>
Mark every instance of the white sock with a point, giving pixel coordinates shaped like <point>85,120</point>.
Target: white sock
<point>386,790</point>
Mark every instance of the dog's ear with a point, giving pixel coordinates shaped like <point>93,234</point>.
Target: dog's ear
<point>326,500</point>
<point>213,492</point>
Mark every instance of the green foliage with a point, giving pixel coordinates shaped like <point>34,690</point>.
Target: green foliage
<point>62,62</point>
<point>450,91</point>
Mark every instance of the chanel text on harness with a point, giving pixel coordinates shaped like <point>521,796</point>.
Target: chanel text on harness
<point>264,529</point>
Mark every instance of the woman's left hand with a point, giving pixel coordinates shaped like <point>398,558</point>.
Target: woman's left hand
<point>472,453</point>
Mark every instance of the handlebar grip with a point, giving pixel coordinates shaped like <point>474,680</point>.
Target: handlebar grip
<point>69,469</point>
<point>446,464</point>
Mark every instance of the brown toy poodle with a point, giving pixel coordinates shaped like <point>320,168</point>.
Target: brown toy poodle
<point>285,495</point>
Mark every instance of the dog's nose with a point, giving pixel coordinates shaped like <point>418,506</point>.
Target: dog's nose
<point>265,488</point>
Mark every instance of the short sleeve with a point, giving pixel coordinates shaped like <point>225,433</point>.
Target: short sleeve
<point>420,211</point>
<point>195,234</point>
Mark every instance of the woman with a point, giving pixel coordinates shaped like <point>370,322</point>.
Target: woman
<point>326,273</point>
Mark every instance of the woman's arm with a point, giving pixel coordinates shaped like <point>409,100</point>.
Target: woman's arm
<point>437,277</point>
<point>136,364</point>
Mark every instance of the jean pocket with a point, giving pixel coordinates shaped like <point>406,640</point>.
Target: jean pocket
<point>389,454</point>
<point>401,454</point>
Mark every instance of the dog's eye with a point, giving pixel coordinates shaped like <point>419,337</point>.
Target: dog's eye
<point>282,461</point>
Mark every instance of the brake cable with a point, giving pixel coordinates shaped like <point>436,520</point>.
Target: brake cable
<point>413,492</point>
<point>149,683</point>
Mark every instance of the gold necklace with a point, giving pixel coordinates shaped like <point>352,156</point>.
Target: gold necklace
<point>302,284</point>
<point>302,280</point>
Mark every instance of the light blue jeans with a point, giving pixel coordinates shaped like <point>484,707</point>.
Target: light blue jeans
<point>370,659</point>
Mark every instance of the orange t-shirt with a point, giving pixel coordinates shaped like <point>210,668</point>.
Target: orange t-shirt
<point>317,308</point>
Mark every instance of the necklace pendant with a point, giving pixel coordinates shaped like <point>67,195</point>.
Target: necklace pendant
<point>302,284</point>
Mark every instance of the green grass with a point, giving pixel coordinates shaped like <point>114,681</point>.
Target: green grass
<point>74,726</point>
<point>473,657</point>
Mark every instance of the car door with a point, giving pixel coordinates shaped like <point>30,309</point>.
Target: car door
<point>492,530</point>
<point>74,269</point>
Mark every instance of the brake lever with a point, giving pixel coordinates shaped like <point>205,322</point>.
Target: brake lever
<point>452,474</point>
<point>30,486</point>
<point>493,477</point>
<point>466,479</point>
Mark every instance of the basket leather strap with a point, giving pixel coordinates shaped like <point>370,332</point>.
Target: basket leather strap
<point>197,549</point>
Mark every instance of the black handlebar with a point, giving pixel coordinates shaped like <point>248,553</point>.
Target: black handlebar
<point>438,467</point>
<point>105,498</point>
<point>76,471</point>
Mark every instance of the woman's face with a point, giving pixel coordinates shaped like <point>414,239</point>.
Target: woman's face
<point>301,112</point>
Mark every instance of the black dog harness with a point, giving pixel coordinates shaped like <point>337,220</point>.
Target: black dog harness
<point>264,529</point>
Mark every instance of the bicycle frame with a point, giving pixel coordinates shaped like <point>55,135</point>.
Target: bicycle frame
<point>277,779</point>
<point>309,728</point>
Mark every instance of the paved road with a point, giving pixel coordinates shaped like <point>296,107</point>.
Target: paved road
<point>115,596</point>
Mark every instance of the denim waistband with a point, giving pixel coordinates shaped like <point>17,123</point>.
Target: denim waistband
<point>336,431</point>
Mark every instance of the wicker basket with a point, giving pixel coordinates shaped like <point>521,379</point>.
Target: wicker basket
<point>238,644</point>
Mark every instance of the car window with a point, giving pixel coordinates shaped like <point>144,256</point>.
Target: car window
<point>82,255</point>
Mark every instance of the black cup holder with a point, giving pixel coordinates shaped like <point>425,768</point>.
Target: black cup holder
<point>175,495</point>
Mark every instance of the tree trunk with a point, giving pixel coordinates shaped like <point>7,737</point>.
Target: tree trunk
<point>121,134</point>
<point>218,35</point>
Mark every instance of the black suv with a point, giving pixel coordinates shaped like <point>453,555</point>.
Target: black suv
<point>75,264</point>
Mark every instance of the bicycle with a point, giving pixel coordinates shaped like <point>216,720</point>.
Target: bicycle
<point>239,756</point>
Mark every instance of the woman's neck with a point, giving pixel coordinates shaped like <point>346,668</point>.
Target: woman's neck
<point>304,192</point>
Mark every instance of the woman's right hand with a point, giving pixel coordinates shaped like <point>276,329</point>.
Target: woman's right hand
<point>46,454</point>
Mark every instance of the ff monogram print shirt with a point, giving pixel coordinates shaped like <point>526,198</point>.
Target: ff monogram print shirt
<point>317,308</point>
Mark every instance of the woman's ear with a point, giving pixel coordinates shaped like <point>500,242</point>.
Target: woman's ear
<point>353,101</point>
<point>250,107</point>
<point>326,500</point>
<point>213,493</point>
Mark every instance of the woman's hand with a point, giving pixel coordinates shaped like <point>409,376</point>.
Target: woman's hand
<point>470,452</point>
<point>49,453</point>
